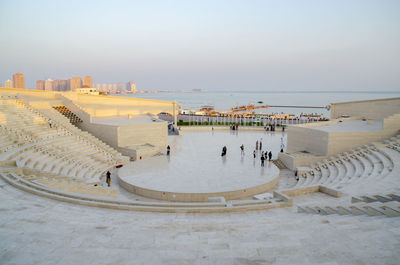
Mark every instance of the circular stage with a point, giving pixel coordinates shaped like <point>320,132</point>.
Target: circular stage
<point>195,170</point>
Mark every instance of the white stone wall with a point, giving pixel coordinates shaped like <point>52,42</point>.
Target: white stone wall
<point>107,106</point>
<point>106,133</point>
<point>370,109</point>
<point>323,144</point>
<point>307,139</point>
<point>292,162</point>
<point>154,133</point>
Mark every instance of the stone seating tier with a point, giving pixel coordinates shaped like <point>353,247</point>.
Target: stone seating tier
<point>26,184</point>
<point>64,122</point>
<point>387,209</point>
<point>366,162</point>
<point>75,156</point>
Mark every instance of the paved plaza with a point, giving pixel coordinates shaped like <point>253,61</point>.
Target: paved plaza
<point>36,230</point>
<point>196,164</point>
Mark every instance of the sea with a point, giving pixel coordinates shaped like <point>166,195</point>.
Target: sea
<point>225,100</point>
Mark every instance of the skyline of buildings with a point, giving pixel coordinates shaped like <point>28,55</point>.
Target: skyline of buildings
<point>17,82</point>
<point>74,83</point>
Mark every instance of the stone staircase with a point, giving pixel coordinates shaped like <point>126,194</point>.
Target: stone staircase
<point>68,113</point>
<point>376,198</point>
<point>367,162</point>
<point>279,164</point>
<point>60,149</point>
<point>376,205</point>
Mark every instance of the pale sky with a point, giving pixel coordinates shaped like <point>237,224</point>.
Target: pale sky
<point>214,45</point>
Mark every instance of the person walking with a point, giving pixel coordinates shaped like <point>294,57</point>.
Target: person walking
<point>261,144</point>
<point>254,154</point>
<point>262,161</point>
<point>108,178</point>
<point>270,155</point>
<point>242,149</point>
<point>257,145</point>
<point>223,151</point>
<point>50,122</point>
<point>168,150</point>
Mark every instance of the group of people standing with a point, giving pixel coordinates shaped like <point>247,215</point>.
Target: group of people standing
<point>234,127</point>
<point>264,155</point>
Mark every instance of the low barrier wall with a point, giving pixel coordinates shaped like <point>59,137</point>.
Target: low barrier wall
<point>200,197</point>
<point>210,128</point>
<point>311,189</point>
<point>292,162</point>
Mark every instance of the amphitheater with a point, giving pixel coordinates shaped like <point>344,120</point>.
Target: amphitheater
<point>343,207</point>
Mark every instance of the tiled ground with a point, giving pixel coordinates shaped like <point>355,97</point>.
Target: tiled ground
<point>35,230</point>
<point>196,165</point>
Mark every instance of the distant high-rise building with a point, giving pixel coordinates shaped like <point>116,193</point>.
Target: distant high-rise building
<point>114,87</point>
<point>98,86</point>
<point>120,86</point>
<point>109,87</point>
<point>56,85</point>
<point>75,82</point>
<point>19,80</point>
<point>62,85</point>
<point>131,86</point>
<point>48,85</point>
<point>40,84</point>
<point>88,81</point>
<point>8,84</point>
<point>104,86</point>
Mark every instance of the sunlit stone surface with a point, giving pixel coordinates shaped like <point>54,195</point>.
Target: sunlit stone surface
<point>196,165</point>
<point>36,230</point>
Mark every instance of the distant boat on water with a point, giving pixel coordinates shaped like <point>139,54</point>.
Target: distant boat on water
<point>260,102</point>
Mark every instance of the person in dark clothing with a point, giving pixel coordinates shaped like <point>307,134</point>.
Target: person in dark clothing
<point>108,178</point>
<point>270,155</point>
<point>242,149</point>
<point>262,161</point>
<point>168,150</point>
<point>254,153</point>
<point>223,151</point>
